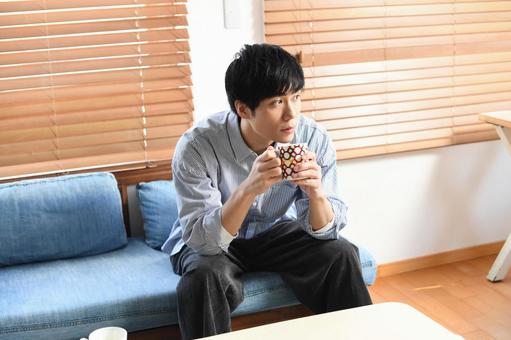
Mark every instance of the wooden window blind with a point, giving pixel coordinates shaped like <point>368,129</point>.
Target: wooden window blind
<point>387,76</point>
<point>91,84</point>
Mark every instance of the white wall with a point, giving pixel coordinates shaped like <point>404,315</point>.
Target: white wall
<point>425,202</point>
<point>401,206</point>
<point>213,48</point>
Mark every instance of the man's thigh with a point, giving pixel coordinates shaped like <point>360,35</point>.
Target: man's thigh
<point>288,248</point>
<point>188,260</point>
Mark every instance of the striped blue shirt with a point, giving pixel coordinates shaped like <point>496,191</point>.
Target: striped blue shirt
<point>212,159</point>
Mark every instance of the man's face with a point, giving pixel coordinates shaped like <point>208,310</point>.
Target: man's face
<point>274,120</point>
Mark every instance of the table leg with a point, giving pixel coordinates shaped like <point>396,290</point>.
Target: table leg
<point>505,134</point>
<point>502,263</point>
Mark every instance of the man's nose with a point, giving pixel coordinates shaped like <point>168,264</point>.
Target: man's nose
<point>290,111</point>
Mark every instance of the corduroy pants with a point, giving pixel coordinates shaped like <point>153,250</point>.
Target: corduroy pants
<point>325,275</point>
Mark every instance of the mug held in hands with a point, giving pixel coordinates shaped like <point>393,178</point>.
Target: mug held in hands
<point>290,155</point>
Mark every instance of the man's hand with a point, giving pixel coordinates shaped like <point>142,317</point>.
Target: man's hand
<point>265,172</point>
<point>309,172</point>
<point>308,175</point>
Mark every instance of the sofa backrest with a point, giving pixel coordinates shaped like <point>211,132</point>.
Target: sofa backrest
<point>60,217</point>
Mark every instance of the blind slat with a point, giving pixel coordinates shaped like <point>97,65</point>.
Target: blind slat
<point>34,5</point>
<point>43,30</point>
<point>92,39</point>
<point>74,78</point>
<point>11,71</point>
<point>315,14</point>
<point>461,33</point>
<point>46,95</point>
<point>85,14</point>
<point>429,88</point>
<point>84,52</point>
<point>389,23</point>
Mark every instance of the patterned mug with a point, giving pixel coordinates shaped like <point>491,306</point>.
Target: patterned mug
<point>290,155</point>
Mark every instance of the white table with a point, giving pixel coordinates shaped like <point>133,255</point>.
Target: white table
<point>389,320</point>
<point>502,121</point>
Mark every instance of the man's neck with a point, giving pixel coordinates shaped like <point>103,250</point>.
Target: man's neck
<point>252,140</point>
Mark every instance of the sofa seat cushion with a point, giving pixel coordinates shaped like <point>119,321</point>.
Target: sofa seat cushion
<point>133,287</point>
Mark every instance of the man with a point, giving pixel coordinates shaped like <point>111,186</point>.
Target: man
<point>235,209</point>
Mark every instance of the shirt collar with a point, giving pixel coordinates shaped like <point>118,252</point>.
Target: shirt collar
<point>238,145</point>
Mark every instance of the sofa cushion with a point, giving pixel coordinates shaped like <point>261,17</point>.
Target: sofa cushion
<point>60,217</point>
<point>132,287</point>
<point>157,202</point>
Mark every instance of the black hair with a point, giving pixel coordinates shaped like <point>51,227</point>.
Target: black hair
<point>262,71</point>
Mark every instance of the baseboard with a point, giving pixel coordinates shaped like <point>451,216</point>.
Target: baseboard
<point>422,262</point>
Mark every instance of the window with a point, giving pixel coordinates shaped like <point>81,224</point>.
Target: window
<point>91,84</point>
<point>386,76</point>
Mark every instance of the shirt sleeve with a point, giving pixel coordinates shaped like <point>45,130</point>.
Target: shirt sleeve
<point>199,204</point>
<point>326,228</point>
<point>327,162</point>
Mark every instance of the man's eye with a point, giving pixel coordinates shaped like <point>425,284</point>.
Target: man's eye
<point>297,97</point>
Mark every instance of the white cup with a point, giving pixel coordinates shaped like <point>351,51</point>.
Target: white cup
<point>108,333</point>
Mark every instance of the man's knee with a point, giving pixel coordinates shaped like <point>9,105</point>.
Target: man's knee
<point>210,273</point>
<point>341,250</point>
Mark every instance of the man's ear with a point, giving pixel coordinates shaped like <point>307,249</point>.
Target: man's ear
<point>242,109</point>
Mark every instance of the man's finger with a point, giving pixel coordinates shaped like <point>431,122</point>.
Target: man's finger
<point>268,154</point>
<point>307,174</point>
<point>310,156</point>
<point>271,163</point>
<point>306,166</point>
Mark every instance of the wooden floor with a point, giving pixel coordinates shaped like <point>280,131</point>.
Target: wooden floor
<point>456,295</point>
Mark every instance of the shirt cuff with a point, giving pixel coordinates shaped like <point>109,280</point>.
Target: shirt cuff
<point>225,239</point>
<point>324,228</point>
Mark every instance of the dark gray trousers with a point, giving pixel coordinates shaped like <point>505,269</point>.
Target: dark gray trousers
<point>325,275</point>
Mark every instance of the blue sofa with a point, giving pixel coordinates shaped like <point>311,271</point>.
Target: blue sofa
<point>67,266</point>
